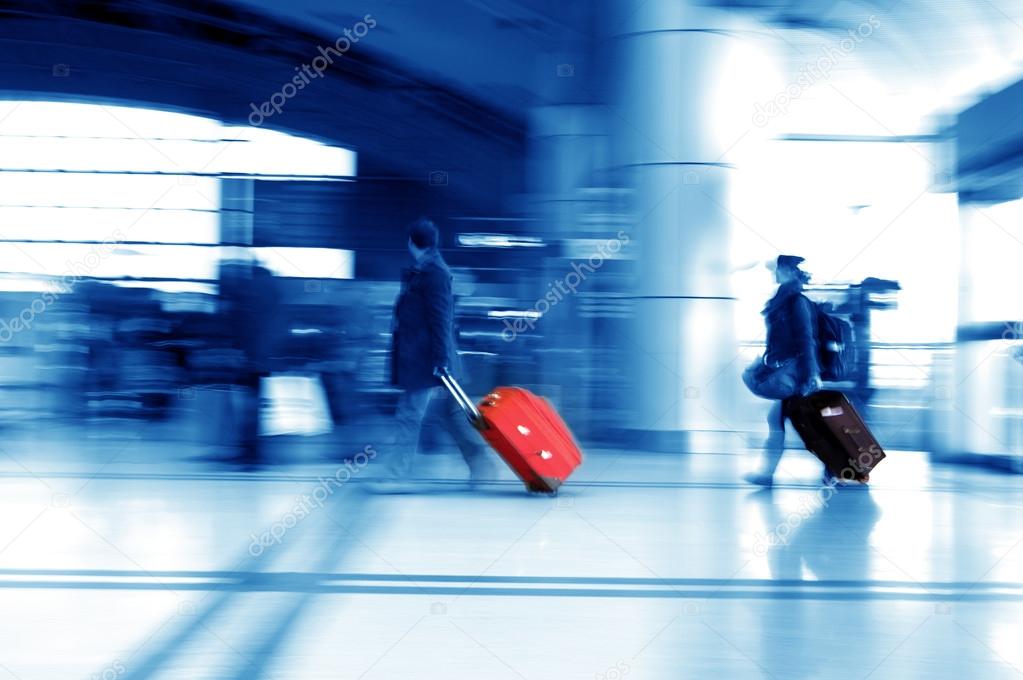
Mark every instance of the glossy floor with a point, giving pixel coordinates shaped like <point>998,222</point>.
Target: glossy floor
<point>129,559</point>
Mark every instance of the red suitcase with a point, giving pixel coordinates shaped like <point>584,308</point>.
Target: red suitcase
<point>526,432</point>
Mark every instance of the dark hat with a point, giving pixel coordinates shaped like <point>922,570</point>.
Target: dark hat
<point>424,233</point>
<point>791,261</point>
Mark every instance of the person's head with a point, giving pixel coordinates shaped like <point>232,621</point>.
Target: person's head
<point>423,237</point>
<point>786,268</point>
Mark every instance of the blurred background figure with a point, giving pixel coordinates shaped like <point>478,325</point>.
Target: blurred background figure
<point>250,308</point>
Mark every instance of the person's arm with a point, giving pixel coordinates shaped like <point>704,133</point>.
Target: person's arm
<point>804,323</point>
<point>439,315</point>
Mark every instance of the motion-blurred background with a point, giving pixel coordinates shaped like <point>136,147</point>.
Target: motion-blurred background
<point>188,188</point>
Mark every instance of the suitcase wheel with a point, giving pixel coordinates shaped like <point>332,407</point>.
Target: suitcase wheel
<point>545,489</point>
<point>543,492</point>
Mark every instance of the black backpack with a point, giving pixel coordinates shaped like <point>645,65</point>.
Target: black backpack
<point>836,353</point>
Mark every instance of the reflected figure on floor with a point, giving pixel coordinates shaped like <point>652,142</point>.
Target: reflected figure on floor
<point>423,343</point>
<point>823,537</point>
<point>826,534</point>
<point>791,345</point>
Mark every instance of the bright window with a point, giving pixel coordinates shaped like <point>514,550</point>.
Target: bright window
<point>122,194</point>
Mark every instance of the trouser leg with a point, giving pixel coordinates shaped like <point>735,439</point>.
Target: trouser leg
<point>469,441</point>
<point>775,444</point>
<point>408,417</point>
<point>247,400</point>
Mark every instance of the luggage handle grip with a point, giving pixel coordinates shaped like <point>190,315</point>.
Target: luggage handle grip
<point>461,398</point>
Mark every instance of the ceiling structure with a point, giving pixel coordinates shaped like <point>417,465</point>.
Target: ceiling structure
<point>219,60</point>
<point>507,51</point>
<point>445,89</point>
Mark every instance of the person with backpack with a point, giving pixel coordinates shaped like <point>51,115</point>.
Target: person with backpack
<point>791,356</point>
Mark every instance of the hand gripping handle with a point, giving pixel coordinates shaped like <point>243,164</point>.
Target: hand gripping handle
<point>461,398</point>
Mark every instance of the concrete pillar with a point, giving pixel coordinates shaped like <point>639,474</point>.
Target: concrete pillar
<point>985,396</point>
<point>682,347</point>
<point>569,149</point>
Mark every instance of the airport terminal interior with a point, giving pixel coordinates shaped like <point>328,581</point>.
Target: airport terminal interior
<point>249,249</point>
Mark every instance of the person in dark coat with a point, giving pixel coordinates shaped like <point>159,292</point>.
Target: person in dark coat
<point>423,344</point>
<point>791,335</point>
<point>250,305</point>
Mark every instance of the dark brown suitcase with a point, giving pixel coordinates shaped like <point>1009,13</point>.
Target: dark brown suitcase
<point>834,432</point>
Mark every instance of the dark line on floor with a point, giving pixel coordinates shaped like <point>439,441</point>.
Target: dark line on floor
<point>257,577</point>
<point>425,484</point>
<point>474,591</point>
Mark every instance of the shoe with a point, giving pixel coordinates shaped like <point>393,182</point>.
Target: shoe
<point>759,479</point>
<point>830,480</point>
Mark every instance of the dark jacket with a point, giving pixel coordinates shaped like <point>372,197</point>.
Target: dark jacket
<point>423,332</point>
<point>251,311</point>
<point>792,329</point>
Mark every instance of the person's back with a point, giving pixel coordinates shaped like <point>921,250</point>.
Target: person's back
<point>423,334</point>
<point>790,320</point>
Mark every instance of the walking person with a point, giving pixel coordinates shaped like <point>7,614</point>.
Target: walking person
<point>791,346</point>
<point>250,305</point>
<point>423,344</point>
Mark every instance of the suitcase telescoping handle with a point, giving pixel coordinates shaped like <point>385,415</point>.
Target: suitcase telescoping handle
<point>461,398</point>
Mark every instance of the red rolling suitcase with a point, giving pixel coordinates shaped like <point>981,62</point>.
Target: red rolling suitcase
<point>834,432</point>
<point>526,432</point>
